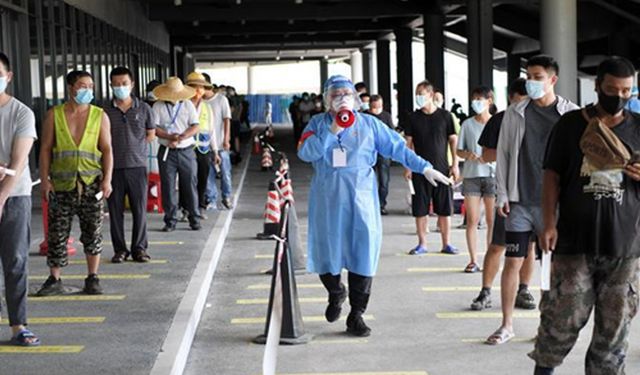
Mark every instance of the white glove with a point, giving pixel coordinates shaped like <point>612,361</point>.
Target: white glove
<point>434,176</point>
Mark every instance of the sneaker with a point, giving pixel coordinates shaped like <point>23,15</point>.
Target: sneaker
<point>525,300</point>
<point>418,250</point>
<point>483,301</point>
<point>356,326</point>
<point>226,203</point>
<point>383,211</point>
<point>120,256</point>
<point>51,287</point>
<point>449,250</point>
<point>184,216</point>
<point>92,284</point>
<point>195,226</point>
<point>168,228</point>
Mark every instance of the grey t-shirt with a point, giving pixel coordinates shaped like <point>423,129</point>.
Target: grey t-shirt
<point>16,121</point>
<point>539,122</point>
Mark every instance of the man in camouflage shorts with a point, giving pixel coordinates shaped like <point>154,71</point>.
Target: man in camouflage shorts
<point>596,241</point>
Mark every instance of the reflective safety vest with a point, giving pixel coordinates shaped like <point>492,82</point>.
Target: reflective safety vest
<point>71,161</point>
<point>203,138</point>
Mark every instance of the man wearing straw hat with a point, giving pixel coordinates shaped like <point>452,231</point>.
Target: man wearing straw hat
<point>206,146</point>
<point>176,124</point>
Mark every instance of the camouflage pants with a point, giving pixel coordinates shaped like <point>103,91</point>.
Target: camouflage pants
<point>63,206</point>
<point>580,284</point>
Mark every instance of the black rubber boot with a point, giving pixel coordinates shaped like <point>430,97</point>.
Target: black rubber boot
<point>359,292</point>
<point>337,296</point>
<point>543,371</point>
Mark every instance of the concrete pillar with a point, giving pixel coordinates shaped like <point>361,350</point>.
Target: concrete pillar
<point>558,38</point>
<point>480,43</point>
<point>367,68</point>
<point>404,71</point>
<point>383,59</point>
<point>356,66</point>
<point>324,73</point>
<point>514,67</point>
<point>434,47</point>
<point>251,80</point>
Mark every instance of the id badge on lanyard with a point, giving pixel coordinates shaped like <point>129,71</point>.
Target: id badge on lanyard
<point>173,117</point>
<point>339,154</point>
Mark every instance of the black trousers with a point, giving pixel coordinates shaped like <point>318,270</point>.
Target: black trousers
<point>359,290</point>
<point>130,182</point>
<point>204,161</point>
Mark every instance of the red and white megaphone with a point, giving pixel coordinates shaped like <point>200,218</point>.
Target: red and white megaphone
<point>345,118</point>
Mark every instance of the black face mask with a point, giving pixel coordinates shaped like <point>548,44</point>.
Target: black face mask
<point>611,104</point>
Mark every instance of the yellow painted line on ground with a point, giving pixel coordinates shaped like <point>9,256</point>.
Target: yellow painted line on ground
<point>79,298</point>
<point>434,254</point>
<point>462,288</point>
<point>264,301</point>
<point>300,286</point>
<point>263,256</point>
<point>152,261</point>
<point>44,349</point>
<point>436,269</point>
<point>361,373</point>
<point>68,320</point>
<point>486,315</point>
<point>102,276</point>
<point>306,319</point>
<point>160,243</point>
<point>482,341</point>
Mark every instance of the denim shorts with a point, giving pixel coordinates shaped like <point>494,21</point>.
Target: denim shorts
<point>479,187</point>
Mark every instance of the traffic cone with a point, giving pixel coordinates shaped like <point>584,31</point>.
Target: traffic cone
<point>271,213</point>
<point>267,161</point>
<point>154,193</point>
<point>44,245</point>
<point>284,295</point>
<point>256,146</point>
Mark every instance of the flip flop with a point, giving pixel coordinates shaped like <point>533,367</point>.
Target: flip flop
<point>499,337</point>
<point>472,268</point>
<point>418,250</point>
<point>22,338</point>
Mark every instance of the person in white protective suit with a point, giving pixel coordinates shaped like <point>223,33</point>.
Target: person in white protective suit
<point>344,211</point>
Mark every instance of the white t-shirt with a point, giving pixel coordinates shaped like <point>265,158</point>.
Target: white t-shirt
<point>16,121</point>
<point>221,110</point>
<point>183,114</point>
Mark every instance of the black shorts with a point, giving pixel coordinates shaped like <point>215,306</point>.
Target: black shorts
<point>497,236</point>
<point>441,195</point>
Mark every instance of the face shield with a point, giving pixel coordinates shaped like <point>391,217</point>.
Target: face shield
<point>339,93</point>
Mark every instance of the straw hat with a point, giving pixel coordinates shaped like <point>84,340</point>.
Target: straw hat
<point>173,91</point>
<point>197,79</point>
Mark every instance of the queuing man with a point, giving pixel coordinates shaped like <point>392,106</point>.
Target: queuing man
<point>430,132</point>
<point>132,128</point>
<point>176,124</point>
<point>523,137</point>
<point>595,196</point>
<point>17,134</point>
<point>206,146</point>
<point>344,224</point>
<point>491,263</point>
<point>76,165</point>
<point>365,102</point>
<point>221,112</point>
<point>382,164</point>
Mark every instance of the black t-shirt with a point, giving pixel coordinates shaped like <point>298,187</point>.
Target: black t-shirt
<point>431,136</point>
<point>491,131</point>
<point>383,116</point>
<point>599,214</point>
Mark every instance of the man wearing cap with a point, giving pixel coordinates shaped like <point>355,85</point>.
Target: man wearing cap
<point>176,124</point>
<point>132,128</point>
<point>76,164</point>
<point>206,147</point>
<point>345,228</point>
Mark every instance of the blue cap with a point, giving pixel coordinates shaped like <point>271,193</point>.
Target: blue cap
<point>338,81</point>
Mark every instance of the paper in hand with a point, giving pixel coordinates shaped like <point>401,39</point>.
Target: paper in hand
<point>7,171</point>
<point>411,189</point>
<point>99,195</point>
<point>545,271</point>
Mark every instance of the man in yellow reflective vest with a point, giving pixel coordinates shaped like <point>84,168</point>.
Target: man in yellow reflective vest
<point>76,165</point>
<point>206,147</point>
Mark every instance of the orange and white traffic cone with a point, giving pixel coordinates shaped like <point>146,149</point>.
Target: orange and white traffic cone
<point>44,245</point>
<point>267,160</point>
<point>271,213</point>
<point>256,146</point>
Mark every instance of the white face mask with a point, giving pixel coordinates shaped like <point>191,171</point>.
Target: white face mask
<point>4,81</point>
<point>342,102</point>
<point>478,106</point>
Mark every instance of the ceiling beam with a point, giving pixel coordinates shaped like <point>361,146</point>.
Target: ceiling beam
<point>275,39</point>
<point>322,47</point>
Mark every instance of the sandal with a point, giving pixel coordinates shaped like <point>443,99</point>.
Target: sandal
<point>471,268</point>
<point>499,337</point>
<point>418,250</point>
<point>141,256</point>
<point>25,338</point>
<point>120,257</point>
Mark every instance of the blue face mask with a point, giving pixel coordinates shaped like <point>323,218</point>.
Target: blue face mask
<point>3,84</point>
<point>535,89</point>
<point>84,96</point>
<point>364,106</point>
<point>478,106</point>
<point>421,101</point>
<point>122,92</point>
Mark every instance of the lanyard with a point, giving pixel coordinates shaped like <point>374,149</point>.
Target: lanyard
<point>173,116</point>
